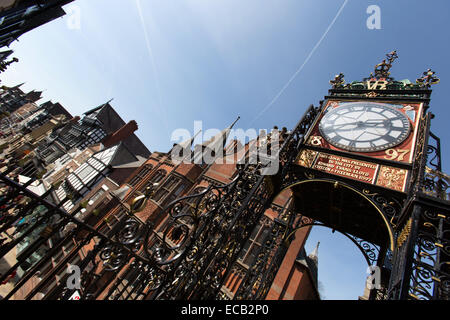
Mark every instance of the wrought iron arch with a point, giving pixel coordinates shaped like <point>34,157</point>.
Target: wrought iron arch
<point>367,249</point>
<point>364,195</point>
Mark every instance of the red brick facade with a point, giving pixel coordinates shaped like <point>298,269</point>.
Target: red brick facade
<point>293,281</point>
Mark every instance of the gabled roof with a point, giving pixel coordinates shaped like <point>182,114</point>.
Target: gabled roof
<point>97,108</point>
<point>36,187</point>
<point>90,171</point>
<point>134,164</point>
<point>5,54</point>
<point>310,262</point>
<point>34,95</point>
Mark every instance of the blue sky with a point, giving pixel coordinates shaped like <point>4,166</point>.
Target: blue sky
<point>169,63</point>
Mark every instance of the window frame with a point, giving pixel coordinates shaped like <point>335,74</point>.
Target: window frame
<point>253,244</point>
<point>157,177</point>
<point>170,188</point>
<point>144,171</point>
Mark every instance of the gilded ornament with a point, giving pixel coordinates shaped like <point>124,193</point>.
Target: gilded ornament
<point>428,79</point>
<point>371,94</point>
<point>404,233</point>
<point>338,81</point>
<point>306,158</point>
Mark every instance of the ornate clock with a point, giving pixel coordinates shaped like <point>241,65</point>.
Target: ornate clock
<point>364,126</point>
<point>369,130</point>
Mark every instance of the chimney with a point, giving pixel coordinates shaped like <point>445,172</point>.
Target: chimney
<point>75,119</point>
<point>120,135</point>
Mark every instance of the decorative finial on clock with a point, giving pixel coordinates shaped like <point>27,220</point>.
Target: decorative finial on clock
<point>392,56</point>
<point>382,69</point>
<point>428,79</point>
<point>338,81</point>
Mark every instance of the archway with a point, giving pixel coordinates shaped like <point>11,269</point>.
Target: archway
<point>341,268</point>
<point>368,250</point>
<point>342,208</point>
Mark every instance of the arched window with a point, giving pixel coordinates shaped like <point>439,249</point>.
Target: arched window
<point>156,178</point>
<point>256,240</point>
<point>170,190</point>
<point>140,175</point>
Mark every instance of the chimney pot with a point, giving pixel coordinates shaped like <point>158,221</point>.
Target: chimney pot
<point>121,134</point>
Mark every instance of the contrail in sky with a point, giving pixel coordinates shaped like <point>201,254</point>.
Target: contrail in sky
<point>303,65</point>
<point>152,58</point>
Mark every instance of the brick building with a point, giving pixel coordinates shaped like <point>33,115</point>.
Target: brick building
<point>100,124</point>
<point>12,98</point>
<point>100,192</point>
<point>297,277</point>
<point>86,193</point>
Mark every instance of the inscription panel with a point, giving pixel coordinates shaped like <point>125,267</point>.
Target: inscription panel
<point>363,171</point>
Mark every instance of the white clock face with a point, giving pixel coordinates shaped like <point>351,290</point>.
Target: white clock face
<point>364,126</point>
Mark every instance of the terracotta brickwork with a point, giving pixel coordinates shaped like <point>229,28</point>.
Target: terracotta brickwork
<point>293,281</point>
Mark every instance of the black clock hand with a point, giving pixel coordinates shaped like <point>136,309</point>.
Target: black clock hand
<point>359,135</point>
<point>353,129</point>
<point>344,124</point>
<point>362,114</point>
<point>359,123</point>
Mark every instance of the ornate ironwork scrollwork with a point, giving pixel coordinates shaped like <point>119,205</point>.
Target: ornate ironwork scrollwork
<point>371,252</point>
<point>202,235</point>
<point>430,273</point>
<point>389,206</point>
<point>113,257</point>
<point>130,232</point>
<point>436,184</point>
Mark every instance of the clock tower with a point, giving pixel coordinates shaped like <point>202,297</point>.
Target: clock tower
<point>369,166</point>
<point>367,131</point>
<point>363,163</point>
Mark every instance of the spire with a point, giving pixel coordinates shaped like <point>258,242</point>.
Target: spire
<point>214,142</point>
<point>232,125</point>
<point>313,263</point>
<point>315,254</point>
<point>18,86</point>
<point>180,151</point>
<point>188,143</point>
<point>213,148</point>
